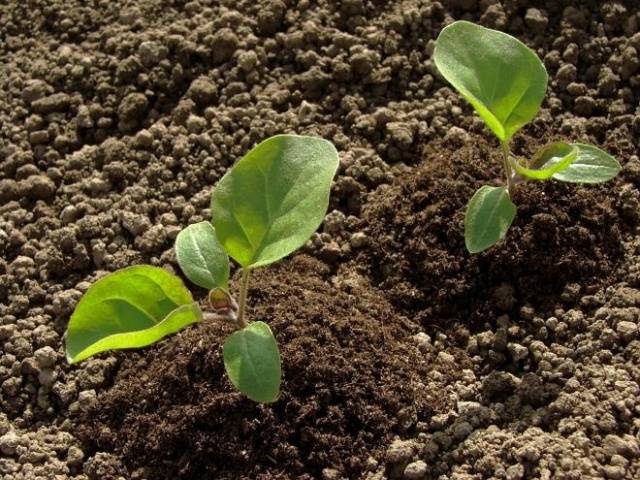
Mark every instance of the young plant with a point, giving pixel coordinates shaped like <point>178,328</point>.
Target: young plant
<point>264,208</point>
<point>505,82</point>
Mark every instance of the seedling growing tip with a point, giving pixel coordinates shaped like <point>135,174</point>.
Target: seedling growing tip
<point>264,208</point>
<point>505,82</point>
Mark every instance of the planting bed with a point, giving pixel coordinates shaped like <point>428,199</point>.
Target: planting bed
<point>403,355</point>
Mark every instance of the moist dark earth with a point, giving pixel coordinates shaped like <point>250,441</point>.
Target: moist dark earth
<point>404,357</point>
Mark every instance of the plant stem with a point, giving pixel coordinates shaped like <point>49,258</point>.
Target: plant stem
<point>244,288</point>
<point>507,166</point>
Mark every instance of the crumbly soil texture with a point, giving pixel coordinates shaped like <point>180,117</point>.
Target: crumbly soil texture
<point>404,357</point>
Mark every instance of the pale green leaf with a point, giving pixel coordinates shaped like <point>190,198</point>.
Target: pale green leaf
<point>549,160</point>
<point>489,215</point>
<point>274,198</point>
<point>129,308</point>
<point>201,256</point>
<point>592,165</point>
<point>500,76</point>
<point>252,361</point>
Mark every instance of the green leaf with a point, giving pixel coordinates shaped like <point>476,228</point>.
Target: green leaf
<point>489,215</point>
<point>274,198</point>
<point>252,361</point>
<point>549,160</point>
<point>130,308</point>
<point>500,76</point>
<point>592,165</point>
<point>202,257</point>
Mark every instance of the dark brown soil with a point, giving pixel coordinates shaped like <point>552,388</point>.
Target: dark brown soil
<point>565,237</point>
<point>353,380</point>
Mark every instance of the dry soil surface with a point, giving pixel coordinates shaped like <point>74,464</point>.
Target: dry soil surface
<point>404,357</point>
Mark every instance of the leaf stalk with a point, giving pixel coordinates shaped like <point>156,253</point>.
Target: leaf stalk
<point>244,289</point>
<point>507,167</point>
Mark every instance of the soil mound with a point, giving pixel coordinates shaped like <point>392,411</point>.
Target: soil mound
<point>566,239</point>
<point>354,378</point>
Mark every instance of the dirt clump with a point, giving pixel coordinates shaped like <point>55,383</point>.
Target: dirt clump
<point>562,234</point>
<point>353,378</point>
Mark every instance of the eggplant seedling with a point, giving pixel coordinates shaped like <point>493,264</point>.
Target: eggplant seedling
<point>505,82</point>
<point>264,208</point>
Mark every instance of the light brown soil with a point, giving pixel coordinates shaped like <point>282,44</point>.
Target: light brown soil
<point>403,356</point>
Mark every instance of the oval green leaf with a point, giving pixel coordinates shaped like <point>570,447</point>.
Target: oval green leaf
<point>500,76</point>
<point>201,256</point>
<point>591,165</point>
<point>252,361</point>
<point>130,308</point>
<point>489,215</point>
<point>274,198</point>
<point>549,160</point>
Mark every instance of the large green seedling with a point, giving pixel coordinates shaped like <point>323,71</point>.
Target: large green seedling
<point>264,208</point>
<point>506,82</point>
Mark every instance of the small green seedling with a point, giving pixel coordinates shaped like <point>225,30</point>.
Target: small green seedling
<point>264,208</point>
<point>506,82</point>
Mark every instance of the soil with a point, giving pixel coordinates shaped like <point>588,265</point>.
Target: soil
<point>563,237</point>
<point>338,396</point>
<point>404,357</point>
